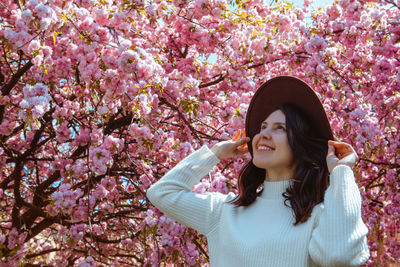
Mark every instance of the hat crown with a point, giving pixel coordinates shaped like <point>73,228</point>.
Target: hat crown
<point>286,90</point>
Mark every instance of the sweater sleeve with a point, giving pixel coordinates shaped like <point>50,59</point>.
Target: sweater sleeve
<point>340,236</point>
<point>173,195</point>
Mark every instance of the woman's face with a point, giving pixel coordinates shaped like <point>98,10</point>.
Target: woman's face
<point>271,150</point>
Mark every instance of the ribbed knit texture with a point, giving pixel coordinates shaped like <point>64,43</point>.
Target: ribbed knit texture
<point>263,233</point>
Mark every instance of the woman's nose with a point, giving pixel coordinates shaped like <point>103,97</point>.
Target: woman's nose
<point>265,133</point>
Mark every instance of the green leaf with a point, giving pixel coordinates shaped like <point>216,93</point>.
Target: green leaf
<point>175,255</point>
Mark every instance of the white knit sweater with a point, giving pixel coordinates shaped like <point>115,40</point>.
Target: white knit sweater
<point>263,233</point>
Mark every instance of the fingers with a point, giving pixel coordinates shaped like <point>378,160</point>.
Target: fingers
<point>241,145</point>
<point>336,143</point>
<point>241,151</point>
<point>344,152</point>
<point>342,149</point>
<point>331,150</point>
<point>240,138</point>
<point>331,156</point>
<point>242,141</point>
<point>340,153</point>
<point>237,136</point>
<point>336,149</point>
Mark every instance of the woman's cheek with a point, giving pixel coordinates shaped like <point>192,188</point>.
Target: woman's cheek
<point>254,142</point>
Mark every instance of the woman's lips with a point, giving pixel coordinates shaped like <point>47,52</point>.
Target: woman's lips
<point>263,147</point>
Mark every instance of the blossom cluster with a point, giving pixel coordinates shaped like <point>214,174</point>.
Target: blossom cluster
<point>36,100</point>
<point>100,99</point>
<point>64,200</point>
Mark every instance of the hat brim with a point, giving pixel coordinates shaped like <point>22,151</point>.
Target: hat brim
<point>286,90</point>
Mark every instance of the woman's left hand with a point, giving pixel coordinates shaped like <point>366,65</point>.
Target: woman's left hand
<point>340,153</point>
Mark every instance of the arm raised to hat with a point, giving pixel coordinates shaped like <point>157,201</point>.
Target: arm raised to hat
<point>173,195</point>
<point>231,148</point>
<point>340,153</point>
<point>339,237</point>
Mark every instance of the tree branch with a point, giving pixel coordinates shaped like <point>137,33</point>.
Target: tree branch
<point>6,89</point>
<point>341,76</point>
<point>34,255</point>
<point>220,79</point>
<point>391,165</point>
<point>38,228</point>
<point>118,123</point>
<point>194,132</point>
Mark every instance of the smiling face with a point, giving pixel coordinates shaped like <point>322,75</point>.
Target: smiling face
<point>271,150</point>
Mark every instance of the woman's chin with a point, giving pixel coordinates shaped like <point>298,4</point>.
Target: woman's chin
<point>259,164</point>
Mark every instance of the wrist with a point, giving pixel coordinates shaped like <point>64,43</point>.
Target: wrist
<point>214,149</point>
<point>341,164</point>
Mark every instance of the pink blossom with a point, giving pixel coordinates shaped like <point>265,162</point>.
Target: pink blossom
<point>96,135</point>
<point>113,144</point>
<point>315,44</point>
<point>27,15</point>
<point>36,99</point>
<point>79,168</point>
<point>43,11</point>
<point>83,137</point>
<point>100,159</point>
<point>108,183</point>
<point>307,3</point>
<point>129,90</point>
<point>34,45</point>
<point>150,219</point>
<point>97,229</point>
<point>63,132</point>
<point>101,16</point>
<point>47,51</point>
<point>65,199</point>
<point>79,213</point>
<point>127,61</point>
<point>142,132</point>
<point>219,184</point>
<point>100,192</point>
<point>77,231</point>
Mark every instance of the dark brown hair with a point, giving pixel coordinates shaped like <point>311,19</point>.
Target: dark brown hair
<point>311,176</point>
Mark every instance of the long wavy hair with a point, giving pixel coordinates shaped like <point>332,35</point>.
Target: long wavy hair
<point>311,176</point>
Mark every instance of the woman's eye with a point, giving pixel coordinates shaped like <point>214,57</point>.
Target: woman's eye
<point>281,127</point>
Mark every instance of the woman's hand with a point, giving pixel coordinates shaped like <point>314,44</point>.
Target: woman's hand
<point>231,148</point>
<point>340,153</point>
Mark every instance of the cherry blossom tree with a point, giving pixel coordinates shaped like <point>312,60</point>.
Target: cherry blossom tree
<point>100,98</point>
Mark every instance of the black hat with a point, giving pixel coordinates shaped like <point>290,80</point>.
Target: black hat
<point>286,90</point>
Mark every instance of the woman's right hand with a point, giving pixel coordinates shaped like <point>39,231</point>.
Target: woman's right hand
<point>231,148</point>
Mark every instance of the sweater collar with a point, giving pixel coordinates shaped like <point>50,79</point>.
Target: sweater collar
<point>274,190</point>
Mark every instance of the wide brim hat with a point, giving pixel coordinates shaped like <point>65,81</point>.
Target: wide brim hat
<point>286,90</point>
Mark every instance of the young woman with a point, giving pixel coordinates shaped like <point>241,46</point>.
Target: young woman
<point>298,203</point>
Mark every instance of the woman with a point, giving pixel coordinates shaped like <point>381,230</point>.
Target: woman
<point>308,212</point>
